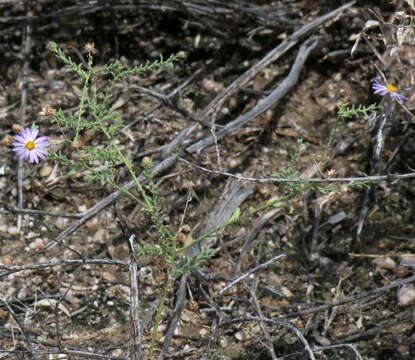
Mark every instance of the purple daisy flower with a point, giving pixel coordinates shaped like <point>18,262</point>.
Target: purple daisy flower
<point>388,89</point>
<point>28,147</point>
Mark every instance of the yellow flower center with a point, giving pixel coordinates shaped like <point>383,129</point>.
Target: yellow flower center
<point>30,145</point>
<point>391,88</point>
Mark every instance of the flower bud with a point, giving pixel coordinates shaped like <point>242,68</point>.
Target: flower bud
<point>7,140</point>
<point>16,128</point>
<point>147,162</point>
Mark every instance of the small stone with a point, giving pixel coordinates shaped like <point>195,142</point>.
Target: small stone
<point>337,77</point>
<point>82,208</point>
<point>185,316</point>
<point>37,244</point>
<point>401,271</point>
<point>385,263</point>
<point>240,336</point>
<point>223,342</point>
<point>6,260</point>
<point>203,332</point>
<point>13,230</point>
<point>45,170</point>
<point>109,276</point>
<point>117,353</point>
<point>208,85</point>
<point>31,235</point>
<point>403,350</point>
<point>322,340</point>
<point>225,111</point>
<point>3,315</point>
<point>406,295</point>
<point>408,261</point>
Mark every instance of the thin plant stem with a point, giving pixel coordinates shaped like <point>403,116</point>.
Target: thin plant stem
<point>81,104</point>
<point>159,311</point>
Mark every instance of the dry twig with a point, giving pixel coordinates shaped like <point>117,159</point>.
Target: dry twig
<point>23,104</point>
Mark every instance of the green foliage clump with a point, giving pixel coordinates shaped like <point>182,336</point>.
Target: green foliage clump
<point>291,184</point>
<point>94,115</point>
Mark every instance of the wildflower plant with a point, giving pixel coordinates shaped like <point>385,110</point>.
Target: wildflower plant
<point>290,189</point>
<point>93,115</point>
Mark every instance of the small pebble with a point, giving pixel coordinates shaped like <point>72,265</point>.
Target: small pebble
<point>406,295</point>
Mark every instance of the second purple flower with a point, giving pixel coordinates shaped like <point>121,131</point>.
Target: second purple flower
<point>388,89</point>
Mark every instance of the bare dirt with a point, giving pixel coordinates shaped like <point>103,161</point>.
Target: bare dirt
<point>348,294</point>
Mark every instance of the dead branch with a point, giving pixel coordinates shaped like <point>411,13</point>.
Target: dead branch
<point>252,290</point>
<point>22,111</point>
<point>350,180</point>
<point>15,210</point>
<point>307,346</point>
<point>44,265</point>
<point>272,56</point>
<point>264,105</point>
<point>350,299</point>
<point>250,272</point>
<point>135,304</point>
<point>222,19</point>
<point>248,75</point>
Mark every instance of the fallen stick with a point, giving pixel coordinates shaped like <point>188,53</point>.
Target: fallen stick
<point>272,56</point>
<point>264,105</point>
<point>248,75</point>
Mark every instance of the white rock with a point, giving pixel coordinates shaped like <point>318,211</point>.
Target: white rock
<point>406,295</point>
